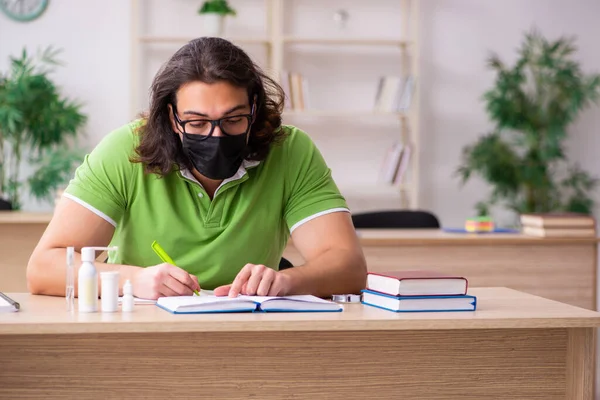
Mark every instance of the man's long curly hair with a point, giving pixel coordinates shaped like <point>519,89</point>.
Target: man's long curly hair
<point>209,60</point>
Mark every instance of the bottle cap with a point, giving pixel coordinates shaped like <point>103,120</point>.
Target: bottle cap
<point>88,254</point>
<point>109,275</point>
<point>127,288</point>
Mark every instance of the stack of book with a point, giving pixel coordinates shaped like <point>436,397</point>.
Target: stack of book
<point>558,225</point>
<point>417,291</point>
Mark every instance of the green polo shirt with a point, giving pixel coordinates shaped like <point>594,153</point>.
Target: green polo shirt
<point>249,220</point>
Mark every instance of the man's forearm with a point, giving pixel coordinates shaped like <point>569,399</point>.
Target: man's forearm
<point>46,273</point>
<point>336,271</point>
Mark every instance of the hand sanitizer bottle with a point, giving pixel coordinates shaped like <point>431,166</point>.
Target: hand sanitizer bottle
<point>128,301</point>
<point>87,280</point>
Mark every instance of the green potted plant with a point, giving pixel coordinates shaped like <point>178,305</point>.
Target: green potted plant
<point>38,124</point>
<point>213,13</point>
<point>531,104</point>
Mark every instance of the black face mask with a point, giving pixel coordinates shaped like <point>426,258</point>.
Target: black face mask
<point>215,157</point>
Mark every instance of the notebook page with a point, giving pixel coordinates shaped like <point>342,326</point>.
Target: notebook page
<point>207,302</point>
<point>300,297</point>
<point>295,303</point>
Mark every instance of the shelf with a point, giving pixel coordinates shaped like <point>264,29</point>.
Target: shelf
<point>342,113</point>
<point>183,40</point>
<point>347,41</point>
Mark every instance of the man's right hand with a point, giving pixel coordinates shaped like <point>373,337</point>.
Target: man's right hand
<point>163,280</point>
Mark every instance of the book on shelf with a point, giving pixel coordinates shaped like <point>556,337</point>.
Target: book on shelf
<point>558,224</point>
<point>419,303</point>
<point>295,86</point>
<point>403,164</point>
<point>393,93</point>
<point>406,96</point>
<point>224,304</point>
<point>391,162</point>
<point>284,80</point>
<point>416,283</point>
<point>395,163</point>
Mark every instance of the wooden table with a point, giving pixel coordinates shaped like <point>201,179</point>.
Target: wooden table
<point>562,269</point>
<point>516,346</point>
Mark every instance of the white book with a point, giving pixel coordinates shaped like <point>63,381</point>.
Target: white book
<point>391,163</point>
<point>419,303</point>
<point>403,164</point>
<point>222,304</point>
<point>387,93</point>
<point>305,98</point>
<point>296,89</point>
<point>405,95</point>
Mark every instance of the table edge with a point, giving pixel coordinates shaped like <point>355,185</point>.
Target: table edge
<point>295,326</point>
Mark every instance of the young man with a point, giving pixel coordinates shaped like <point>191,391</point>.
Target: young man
<point>213,176</point>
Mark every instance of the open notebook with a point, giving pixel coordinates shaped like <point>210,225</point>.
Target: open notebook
<point>222,304</point>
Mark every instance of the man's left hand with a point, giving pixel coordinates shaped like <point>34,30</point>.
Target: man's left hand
<point>257,280</point>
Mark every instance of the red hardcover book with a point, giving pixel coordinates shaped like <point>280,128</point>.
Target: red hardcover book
<point>417,283</point>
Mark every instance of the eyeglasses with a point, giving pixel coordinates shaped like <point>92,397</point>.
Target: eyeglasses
<point>232,125</point>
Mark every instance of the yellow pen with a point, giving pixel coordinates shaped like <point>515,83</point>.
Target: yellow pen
<point>165,257</point>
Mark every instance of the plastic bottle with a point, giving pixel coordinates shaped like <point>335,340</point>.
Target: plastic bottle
<point>109,282</point>
<point>128,301</point>
<point>87,280</point>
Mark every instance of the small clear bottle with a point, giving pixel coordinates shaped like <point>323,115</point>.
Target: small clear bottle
<point>70,279</point>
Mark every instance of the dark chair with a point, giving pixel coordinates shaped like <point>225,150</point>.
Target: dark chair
<point>284,264</point>
<point>395,219</point>
<point>5,205</point>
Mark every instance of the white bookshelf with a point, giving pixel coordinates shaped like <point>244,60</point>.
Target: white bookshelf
<point>275,43</point>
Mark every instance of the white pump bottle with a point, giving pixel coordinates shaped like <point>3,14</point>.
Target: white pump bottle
<point>87,280</point>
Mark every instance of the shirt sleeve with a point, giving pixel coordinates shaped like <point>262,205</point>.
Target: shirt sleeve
<point>310,188</point>
<point>102,183</point>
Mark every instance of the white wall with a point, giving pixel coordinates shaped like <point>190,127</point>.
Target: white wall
<point>456,36</point>
<point>94,36</point>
